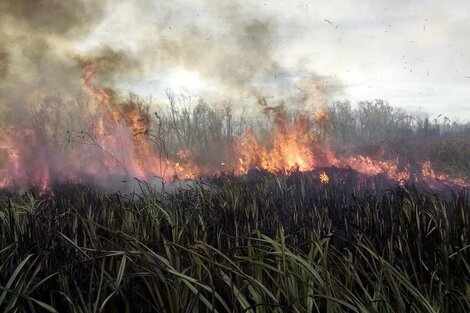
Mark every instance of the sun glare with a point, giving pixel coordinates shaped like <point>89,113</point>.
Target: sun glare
<point>180,78</point>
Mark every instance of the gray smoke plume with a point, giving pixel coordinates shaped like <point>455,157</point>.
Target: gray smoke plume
<point>46,44</point>
<point>231,45</point>
<point>37,39</point>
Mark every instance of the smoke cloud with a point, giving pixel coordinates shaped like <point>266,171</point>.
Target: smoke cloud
<point>230,46</point>
<point>36,41</point>
<point>59,59</point>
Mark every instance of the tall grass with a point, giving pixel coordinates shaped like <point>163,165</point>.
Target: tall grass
<point>260,243</point>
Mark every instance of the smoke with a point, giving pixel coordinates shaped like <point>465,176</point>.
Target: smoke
<point>46,47</point>
<point>238,52</point>
<point>232,47</point>
<point>37,40</point>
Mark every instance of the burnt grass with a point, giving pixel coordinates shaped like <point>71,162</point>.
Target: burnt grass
<point>257,243</point>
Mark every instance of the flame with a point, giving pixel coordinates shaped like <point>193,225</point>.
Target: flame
<point>185,167</point>
<point>324,178</point>
<point>118,145</point>
<point>23,169</point>
<point>431,176</point>
<point>391,168</point>
<point>122,134</point>
<point>293,146</point>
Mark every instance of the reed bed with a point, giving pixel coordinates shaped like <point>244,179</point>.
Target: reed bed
<point>257,243</point>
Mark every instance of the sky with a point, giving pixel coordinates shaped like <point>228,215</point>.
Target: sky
<point>414,54</point>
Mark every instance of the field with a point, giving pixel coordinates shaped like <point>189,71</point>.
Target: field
<point>234,156</point>
<point>258,243</point>
<point>347,209</point>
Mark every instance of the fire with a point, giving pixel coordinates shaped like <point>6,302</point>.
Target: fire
<point>293,146</point>
<point>118,145</point>
<point>102,96</point>
<point>391,168</point>
<point>185,167</point>
<point>23,165</point>
<point>432,176</point>
<point>122,134</point>
<point>324,178</point>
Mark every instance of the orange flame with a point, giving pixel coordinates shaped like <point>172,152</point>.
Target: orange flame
<point>324,179</point>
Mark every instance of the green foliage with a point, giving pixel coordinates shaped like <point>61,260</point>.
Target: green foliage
<point>267,243</point>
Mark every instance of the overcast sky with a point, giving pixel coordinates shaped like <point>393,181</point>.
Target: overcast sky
<point>414,54</point>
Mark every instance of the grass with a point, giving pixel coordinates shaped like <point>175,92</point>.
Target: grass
<point>258,243</point>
